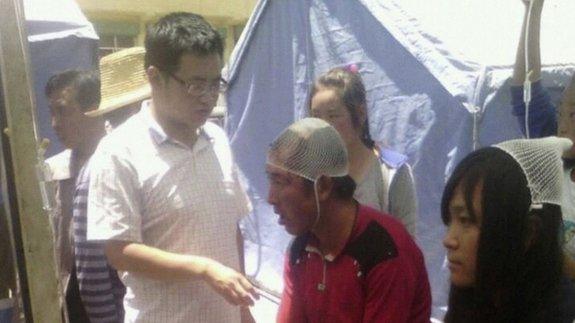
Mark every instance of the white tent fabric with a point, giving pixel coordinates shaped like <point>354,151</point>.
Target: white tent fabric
<point>49,20</point>
<point>60,38</point>
<point>427,65</point>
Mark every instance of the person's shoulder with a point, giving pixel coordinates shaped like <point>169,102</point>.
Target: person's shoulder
<point>387,231</point>
<point>133,126</point>
<point>379,238</point>
<point>386,220</point>
<point>132,134</point>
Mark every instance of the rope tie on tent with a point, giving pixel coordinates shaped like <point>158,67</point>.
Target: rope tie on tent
<point>528,71</point>
<point>474,110</point>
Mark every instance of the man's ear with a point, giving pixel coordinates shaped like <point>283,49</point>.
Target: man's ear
<point>324,187</point>
<point>154,76</point>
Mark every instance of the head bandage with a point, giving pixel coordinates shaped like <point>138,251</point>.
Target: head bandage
<point>309,148</point>
<point>540,160</point>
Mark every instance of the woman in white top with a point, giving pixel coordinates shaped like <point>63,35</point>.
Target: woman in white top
<point>384,178</point>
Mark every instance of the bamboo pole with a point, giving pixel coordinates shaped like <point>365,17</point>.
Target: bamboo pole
<point>38,274</point>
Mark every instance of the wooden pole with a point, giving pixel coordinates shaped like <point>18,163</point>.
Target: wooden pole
<point>38,275</point>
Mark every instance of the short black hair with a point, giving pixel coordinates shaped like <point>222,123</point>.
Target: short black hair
<point>86,85</point>
<point>519,257</point>
<point>180,33</point>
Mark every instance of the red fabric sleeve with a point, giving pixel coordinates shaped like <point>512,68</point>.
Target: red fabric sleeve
<point>291,309</point>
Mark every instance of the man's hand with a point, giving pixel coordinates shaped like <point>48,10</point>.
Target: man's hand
<point>166,266</point>
<point>230,284</point>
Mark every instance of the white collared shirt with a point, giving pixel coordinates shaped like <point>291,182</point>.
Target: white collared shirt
<point>147,188</point>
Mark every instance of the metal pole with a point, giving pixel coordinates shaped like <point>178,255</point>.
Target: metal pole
<point>37,268</point>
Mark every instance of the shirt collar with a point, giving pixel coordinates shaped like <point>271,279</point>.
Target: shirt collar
<point>312,241</point>
<point>156,131</point>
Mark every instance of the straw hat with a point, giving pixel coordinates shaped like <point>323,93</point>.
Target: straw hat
<point>123,80</point>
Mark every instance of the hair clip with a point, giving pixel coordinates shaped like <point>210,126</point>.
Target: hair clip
<point>535,206</point>
<point>352,68</point>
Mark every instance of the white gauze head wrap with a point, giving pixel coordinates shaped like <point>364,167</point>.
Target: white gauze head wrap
<point>541,162</point>
<point>310,148</point>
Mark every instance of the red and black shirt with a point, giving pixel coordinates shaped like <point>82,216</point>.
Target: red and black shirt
<point>379,276</point>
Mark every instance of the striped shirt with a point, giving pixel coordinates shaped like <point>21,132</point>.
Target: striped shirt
<point>101,290</point>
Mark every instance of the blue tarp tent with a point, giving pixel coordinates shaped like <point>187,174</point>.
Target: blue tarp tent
<point>60,38</point>
<point>427,65</point>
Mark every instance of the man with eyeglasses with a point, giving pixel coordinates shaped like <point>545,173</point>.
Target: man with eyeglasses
<point>165,194</point>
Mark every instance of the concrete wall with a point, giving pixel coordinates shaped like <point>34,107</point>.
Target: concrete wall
<point>226,15</point>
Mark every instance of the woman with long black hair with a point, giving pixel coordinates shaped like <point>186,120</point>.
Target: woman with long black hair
<point>502,209</point>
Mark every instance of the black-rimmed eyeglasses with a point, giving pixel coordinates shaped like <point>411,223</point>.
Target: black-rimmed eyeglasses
<point>199,88</point>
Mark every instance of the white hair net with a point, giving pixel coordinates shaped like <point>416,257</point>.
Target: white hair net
<point>309,148</point>
<point>541,162</point>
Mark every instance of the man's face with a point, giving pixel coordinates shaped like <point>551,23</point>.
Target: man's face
<point>566,127</point>
<point>292,200</point>
<point>68,119</point>
<point>462,238</point>
<point>171,97</point>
